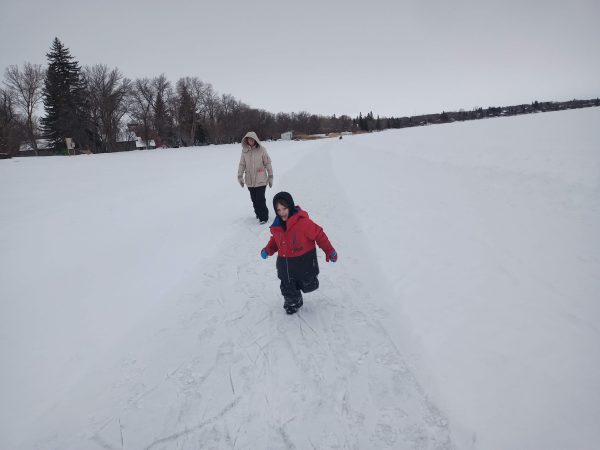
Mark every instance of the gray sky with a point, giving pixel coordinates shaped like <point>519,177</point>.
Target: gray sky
<point>329,56</point>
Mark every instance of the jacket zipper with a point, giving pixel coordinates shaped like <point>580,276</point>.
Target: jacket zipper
<point>253,167</point>
<point>287,266</point>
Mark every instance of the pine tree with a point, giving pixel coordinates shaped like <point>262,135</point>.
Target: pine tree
<point>185,114</point>
<point>162,120</point>
<point>362,122</point>
<point>64,99</point>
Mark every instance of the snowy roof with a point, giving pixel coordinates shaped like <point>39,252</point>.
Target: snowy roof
<point>42,144</point>
<point>139,143</point>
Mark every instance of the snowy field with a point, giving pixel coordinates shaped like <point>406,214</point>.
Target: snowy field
<point>463,313</point>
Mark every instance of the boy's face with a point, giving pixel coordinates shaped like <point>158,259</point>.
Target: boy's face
<point>282,211</point>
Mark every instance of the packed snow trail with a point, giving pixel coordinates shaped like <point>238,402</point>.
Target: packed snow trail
<point>226,366</point>
<point>328,377</point>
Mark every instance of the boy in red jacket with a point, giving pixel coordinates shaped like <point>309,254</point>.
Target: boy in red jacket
<point>293,237</point>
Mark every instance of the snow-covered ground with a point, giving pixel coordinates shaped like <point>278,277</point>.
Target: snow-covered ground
<point>464,311</point>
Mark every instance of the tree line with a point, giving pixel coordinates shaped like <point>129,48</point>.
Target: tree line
<point>100,110</point>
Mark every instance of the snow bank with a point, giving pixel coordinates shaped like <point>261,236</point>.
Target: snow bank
<point>463,312</point>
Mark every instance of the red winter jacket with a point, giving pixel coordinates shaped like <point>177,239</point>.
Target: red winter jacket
<point>299,237</point>
<point>297,255</point>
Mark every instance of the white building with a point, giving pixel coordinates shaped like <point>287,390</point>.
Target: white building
<point>140,144</point>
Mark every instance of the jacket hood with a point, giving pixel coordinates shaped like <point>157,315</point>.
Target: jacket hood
<point>295,214</point>
<point>286,198</point>
<point>252,134</point>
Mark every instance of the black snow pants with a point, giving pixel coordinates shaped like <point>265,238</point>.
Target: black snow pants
<point>259,202</point>
<point>292,289</point>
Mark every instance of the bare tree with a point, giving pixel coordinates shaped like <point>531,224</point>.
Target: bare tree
<point>314,124</point>
<point>8,122</point>
<point>27,86</point>
<point>301,121</point>
<point>192,94</point>
<point>284,122</point>
<point>211,105</point>
<point>108,93</point>
<point>210,102</point>
<point>233,121</point>
<point>227,118</point>
<point>143,96</point>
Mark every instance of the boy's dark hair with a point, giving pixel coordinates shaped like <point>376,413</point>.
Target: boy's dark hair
<point>285,199</point>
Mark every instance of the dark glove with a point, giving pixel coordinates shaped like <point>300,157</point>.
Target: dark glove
<point>332,257</point>
<point>264,254</point>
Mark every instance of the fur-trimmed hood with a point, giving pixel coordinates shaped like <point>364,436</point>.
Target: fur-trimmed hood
<point>253,135</point>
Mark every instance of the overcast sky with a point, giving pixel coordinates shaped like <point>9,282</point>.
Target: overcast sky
<point>393,57</point>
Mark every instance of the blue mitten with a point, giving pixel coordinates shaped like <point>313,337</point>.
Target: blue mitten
<point>332,256</point>
<point>264,254</point>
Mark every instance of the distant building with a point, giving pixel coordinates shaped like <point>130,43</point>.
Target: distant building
<point>139,144</point>
<point>44,148</point>
<point>42,144</point>
<point>287,136</point>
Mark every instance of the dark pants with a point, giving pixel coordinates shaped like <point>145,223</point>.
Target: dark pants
<point>257,195</point>
<point>292,289</point>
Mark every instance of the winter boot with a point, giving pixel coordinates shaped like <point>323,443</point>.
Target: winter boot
<point>293,307</point>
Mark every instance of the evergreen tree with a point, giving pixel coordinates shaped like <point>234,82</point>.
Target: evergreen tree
<point>64,99</point>
<point>362,122</point>
<point>162,121</point>
<point>185,114</point>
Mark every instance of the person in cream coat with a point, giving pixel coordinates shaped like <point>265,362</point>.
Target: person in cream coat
<point>255,172</point>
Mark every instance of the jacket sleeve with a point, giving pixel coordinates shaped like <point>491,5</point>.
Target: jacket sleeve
<point>241,167</point>
<point>267,163</point>
<point>316,234</point>
<point>271,246</point>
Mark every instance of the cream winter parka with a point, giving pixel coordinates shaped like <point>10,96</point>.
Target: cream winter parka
<point>255,164</point>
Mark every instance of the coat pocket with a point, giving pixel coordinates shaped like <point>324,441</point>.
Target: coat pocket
<point>261,176</point>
